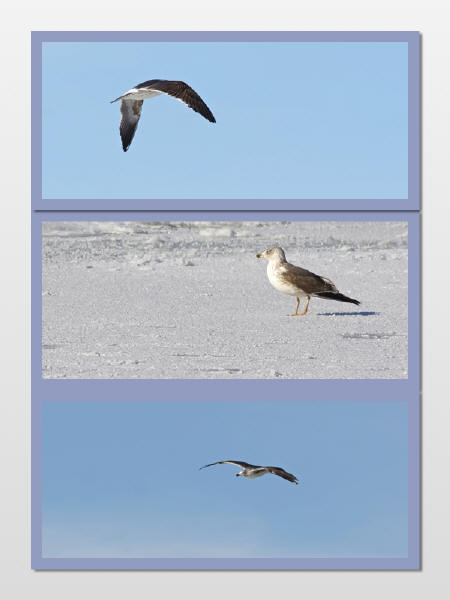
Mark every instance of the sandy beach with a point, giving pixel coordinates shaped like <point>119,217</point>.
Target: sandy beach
<point>191,300</point>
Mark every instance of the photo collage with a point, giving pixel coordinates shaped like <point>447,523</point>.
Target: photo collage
<point>225,300</point>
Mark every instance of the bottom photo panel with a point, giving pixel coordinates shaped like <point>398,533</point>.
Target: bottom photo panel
<point>310,484</point>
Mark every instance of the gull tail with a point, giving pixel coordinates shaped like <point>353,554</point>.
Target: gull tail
<point>337,296</point>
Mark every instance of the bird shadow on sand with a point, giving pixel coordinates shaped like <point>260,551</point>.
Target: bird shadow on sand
<point>349,314</point>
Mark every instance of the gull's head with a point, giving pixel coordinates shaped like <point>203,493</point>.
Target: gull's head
<point>275,254</point>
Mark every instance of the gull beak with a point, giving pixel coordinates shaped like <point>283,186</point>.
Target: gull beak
<point>259,256</point>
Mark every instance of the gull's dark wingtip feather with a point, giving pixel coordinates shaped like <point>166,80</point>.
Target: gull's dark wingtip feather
<point>204,466</point>
<point>204,111</point>
<point>353,301</point>
<point>337,296</point>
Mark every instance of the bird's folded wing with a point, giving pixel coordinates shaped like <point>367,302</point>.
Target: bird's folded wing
<point>307,281</point>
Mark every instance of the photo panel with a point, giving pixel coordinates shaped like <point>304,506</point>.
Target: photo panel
<point>308,484</point>
<point>296,120</point>
<point>328,297</point>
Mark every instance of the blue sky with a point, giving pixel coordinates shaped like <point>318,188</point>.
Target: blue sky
<point>294,120</point>
<point>122,479</point>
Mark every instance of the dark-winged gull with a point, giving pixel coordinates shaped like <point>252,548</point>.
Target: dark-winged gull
<point>131,103</point>
<point>299,282</point>
<point>252,471</point>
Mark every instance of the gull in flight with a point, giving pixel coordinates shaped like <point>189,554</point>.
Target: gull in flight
<point>252,471</point>
<point>299,282</point>
<point>131,103</point>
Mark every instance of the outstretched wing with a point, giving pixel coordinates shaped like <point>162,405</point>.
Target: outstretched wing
<point>182,91</point>
<point>244,465</point>
<point>131,112</point>
<point>282,473</point>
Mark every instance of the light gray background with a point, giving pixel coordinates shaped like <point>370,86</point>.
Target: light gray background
<point>17,579</point>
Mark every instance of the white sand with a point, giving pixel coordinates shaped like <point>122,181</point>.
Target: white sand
<point>190,300</point>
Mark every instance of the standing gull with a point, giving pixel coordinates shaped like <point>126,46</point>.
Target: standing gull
<point>253,471</point>
<point>131,103</point>
<point>299,282</point>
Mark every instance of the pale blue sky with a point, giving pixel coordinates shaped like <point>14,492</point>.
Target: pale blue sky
<point>122,479</point>
<point>294,120</point>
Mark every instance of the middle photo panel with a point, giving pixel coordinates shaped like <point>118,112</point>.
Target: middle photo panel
<point>255,296</point>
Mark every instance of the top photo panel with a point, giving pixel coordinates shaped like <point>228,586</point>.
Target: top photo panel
<point>264,120</point>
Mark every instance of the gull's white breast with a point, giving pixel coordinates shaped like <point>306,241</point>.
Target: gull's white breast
<point>274,272</point>
<point>253,474</point>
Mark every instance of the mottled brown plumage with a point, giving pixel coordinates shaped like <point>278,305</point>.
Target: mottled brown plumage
<point>295,281</point>
<point>308,282</point>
